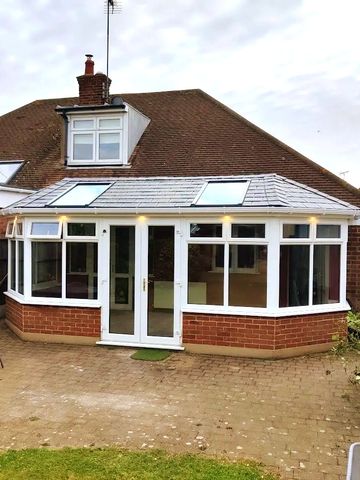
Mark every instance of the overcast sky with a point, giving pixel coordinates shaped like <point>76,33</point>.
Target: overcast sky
<point>290,66</point>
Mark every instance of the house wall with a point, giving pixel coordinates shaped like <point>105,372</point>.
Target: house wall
<point>42,319</point>
<point>263,332</point>
<point>353,268</point>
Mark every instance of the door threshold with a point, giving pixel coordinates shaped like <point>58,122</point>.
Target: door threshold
<point>139,345</point>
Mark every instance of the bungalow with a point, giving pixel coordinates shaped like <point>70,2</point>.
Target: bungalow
<point>167,220</point>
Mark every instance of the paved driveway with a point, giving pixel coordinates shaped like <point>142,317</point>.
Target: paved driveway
<point>298,415</point>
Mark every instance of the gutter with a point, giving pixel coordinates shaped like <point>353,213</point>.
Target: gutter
<point>15,189</point>
<point>177,211</point>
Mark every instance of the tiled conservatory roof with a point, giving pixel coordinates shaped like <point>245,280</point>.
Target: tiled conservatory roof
<point>264,192</point>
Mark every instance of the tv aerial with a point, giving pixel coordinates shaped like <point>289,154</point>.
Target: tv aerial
<point>111,7</point>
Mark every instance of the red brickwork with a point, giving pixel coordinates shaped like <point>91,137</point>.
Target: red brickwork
<point>353,268</point>
<point>262,332</point>
<point>3,224</point>
<point>92,89</point>
<point>77,321</point>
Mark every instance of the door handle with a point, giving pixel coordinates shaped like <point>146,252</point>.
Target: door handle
<point>144,284</point>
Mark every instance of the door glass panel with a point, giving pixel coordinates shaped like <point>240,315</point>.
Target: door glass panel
<point>161,281</point>
<point>122,271</point>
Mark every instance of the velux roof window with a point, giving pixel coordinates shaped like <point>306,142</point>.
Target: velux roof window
<point>81,195</point>
<point>8,170</point>
<point>222,193</point>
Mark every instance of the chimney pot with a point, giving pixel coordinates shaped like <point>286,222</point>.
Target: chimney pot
<point>89,64</point>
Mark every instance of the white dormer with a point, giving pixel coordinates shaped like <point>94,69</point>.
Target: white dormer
<point>103,136</point>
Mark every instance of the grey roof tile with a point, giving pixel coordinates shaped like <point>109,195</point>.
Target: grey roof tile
<point>264,191</point>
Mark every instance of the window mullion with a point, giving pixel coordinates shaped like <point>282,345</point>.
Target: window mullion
<point>311,274</point>
<point>226,274</point>
<point>16,270</point>
<point>273,264</point>
<point>63,269</point>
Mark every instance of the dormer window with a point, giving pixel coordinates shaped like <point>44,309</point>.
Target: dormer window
<point>97,140</point>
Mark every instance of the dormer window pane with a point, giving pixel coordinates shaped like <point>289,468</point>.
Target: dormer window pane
<point>109,146</point>
<point>83,146</point>
<point>83,124</point>
<point>109,123</point>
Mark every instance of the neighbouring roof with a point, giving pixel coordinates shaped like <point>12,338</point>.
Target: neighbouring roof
<point>190,134</point>
<point>264,192</point>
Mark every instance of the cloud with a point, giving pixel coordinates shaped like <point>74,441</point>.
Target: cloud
<point>290,66</point>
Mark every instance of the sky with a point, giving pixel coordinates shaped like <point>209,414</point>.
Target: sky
<point>292,67</point>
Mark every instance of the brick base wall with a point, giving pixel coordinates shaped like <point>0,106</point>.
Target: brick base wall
<point>76,321</point>
<point>262,332</point>
<point>353,268</point>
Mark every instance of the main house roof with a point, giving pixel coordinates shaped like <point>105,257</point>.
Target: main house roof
<point>263,193</point>
<point>190,134</point>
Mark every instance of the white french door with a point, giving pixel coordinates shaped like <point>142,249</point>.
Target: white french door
<point>140,289</point>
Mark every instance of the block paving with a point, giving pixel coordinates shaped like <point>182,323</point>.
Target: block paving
<point>298,416</point>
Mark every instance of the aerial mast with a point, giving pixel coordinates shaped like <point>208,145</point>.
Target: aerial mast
<point>111,7</point>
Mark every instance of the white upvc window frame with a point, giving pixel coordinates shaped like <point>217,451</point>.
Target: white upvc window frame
<point>311,241</point>
<point>273,240</point>
<point>10,229</point>
<point>96,131</point>
<point>226,239</point>
<point>56,236</point>
<point>26,297</point>
<point>79,237</point>
<point>16,238</point>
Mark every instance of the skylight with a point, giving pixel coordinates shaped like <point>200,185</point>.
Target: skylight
<point>222,193</point>
<point>8,170</point>
<point>81,195</point>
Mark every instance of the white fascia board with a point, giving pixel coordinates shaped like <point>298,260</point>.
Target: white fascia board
<point>274,211</point>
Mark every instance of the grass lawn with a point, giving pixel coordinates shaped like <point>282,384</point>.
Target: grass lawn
<point>115,464</point>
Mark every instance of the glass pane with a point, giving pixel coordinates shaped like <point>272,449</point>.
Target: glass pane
<point>242,230</point>
<point>21,267</point>
<point>9,229</point>
<point>223,193</point>
<point>328,231</point>
<point>83,146</point>
<point>161,281</point>
<point>206,274</point>
<point>205,230</point>
<point>81,229</point>
<point>44,229</point>
<point>19,228</point>
<point>83,124</point>
<point>122,272</point>
<point>109,146</point>
<point>81,195</point>
<point>109,123</point>
<point>247,275</point>
<point>326,280</point>
<point>13,264</point>
<point>294,275</point>
<point>46,269</point>
<point>291,230</point>
<point>81,270</point>
<point>8,170</point>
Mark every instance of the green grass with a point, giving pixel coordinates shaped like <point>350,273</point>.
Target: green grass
<point>150,354</point>
<point>115,464</point>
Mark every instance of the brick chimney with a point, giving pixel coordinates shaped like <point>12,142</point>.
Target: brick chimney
<point>92,88</point>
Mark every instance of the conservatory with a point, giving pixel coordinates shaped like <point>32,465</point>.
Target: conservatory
<point>251,265</point>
